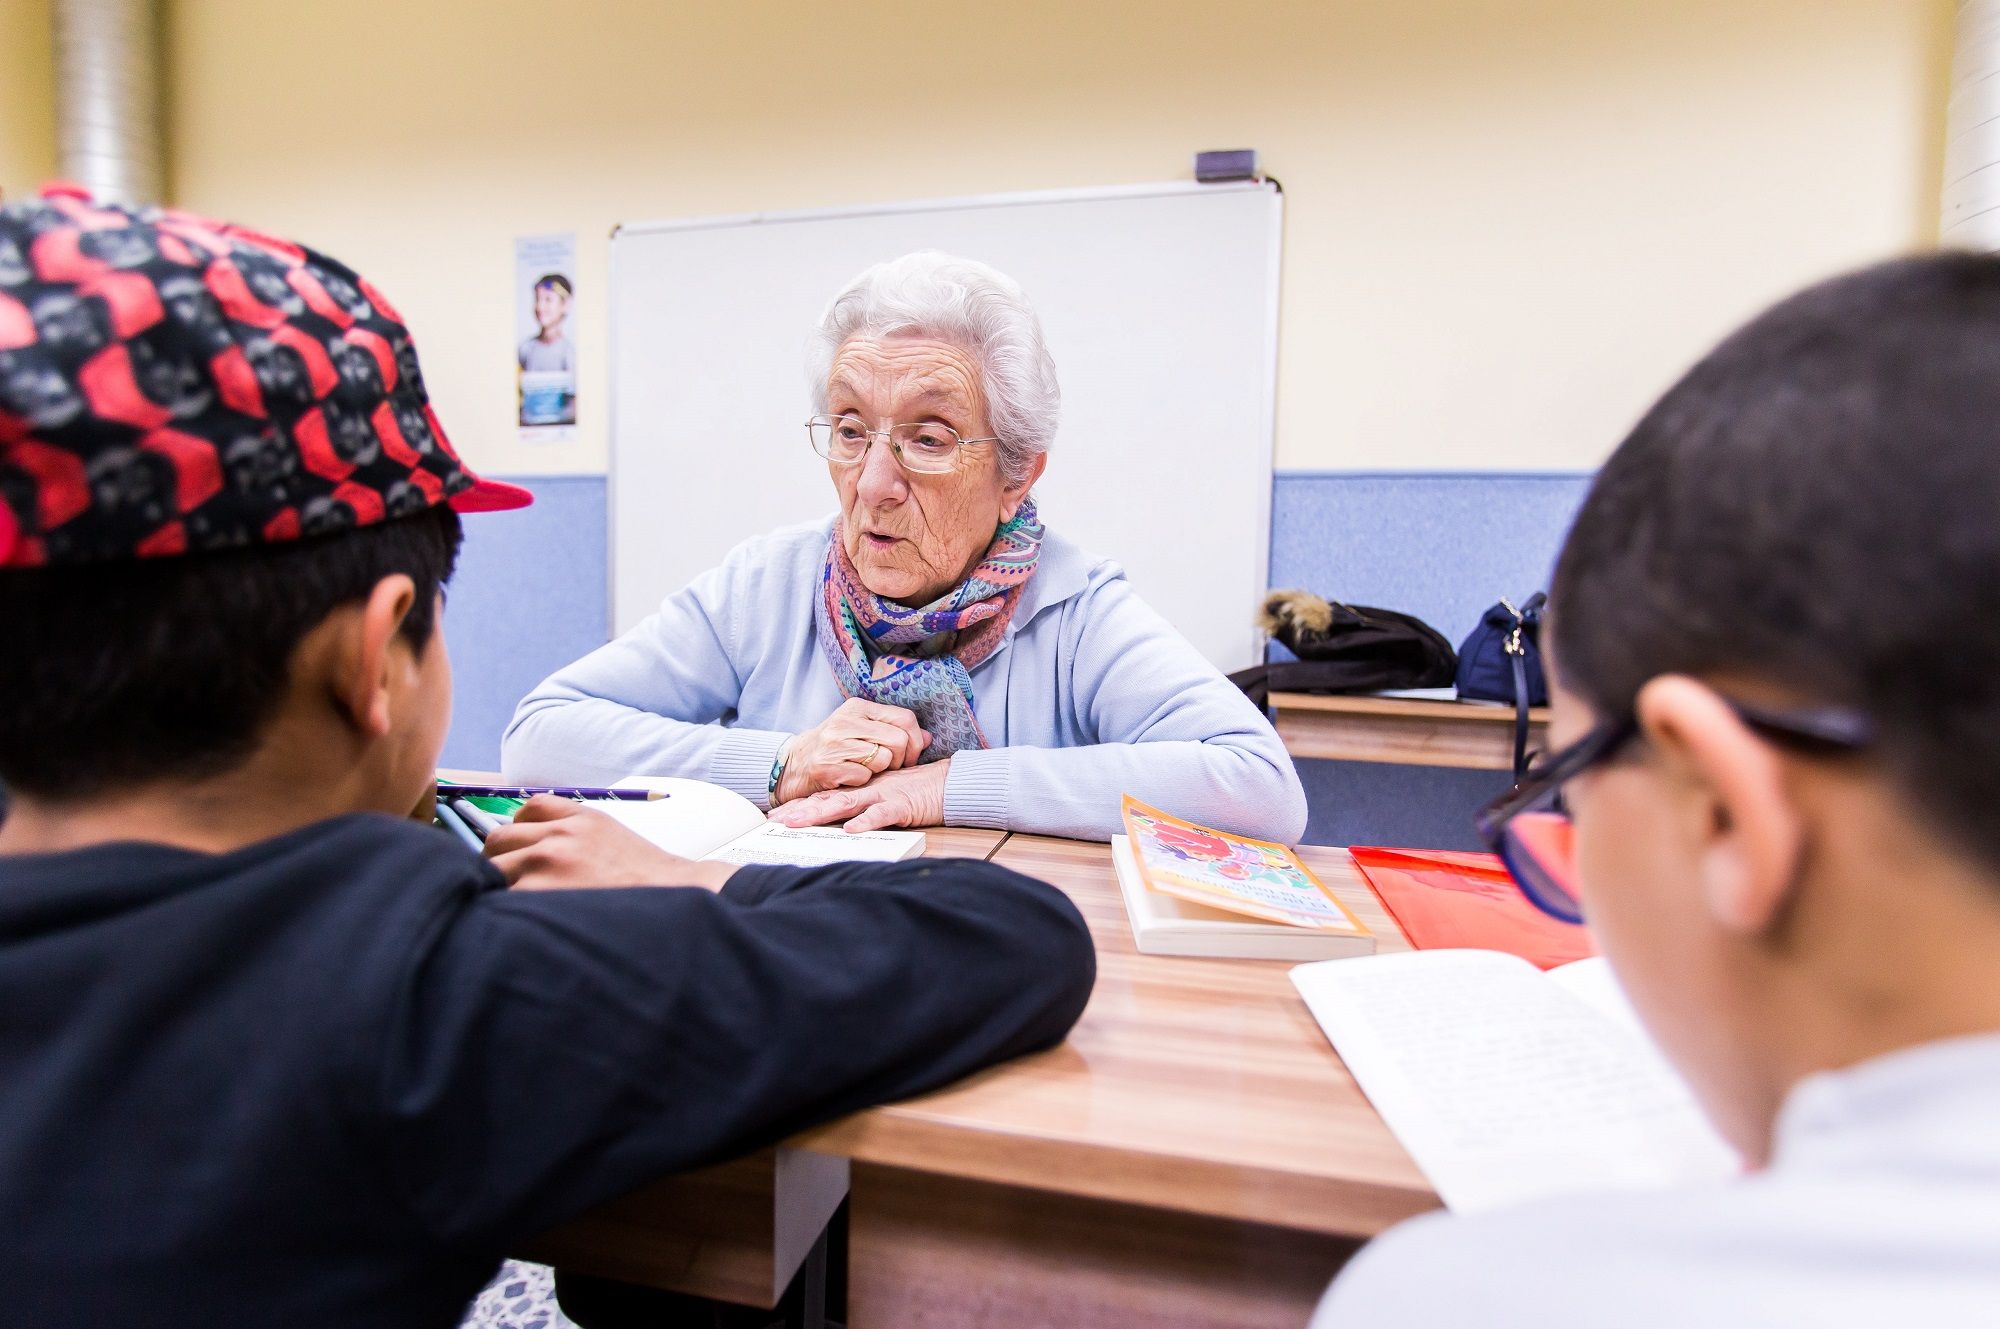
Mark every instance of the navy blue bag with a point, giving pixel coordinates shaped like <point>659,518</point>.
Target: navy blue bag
<point>1502,661</point>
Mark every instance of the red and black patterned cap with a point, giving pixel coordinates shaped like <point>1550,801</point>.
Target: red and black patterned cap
<point>171,384</point>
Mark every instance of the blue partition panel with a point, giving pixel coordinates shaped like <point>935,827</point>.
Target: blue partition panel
<point>531,595</point>
<point>1442,546</point>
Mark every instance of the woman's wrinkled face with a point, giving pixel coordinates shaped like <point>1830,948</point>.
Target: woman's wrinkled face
<point>914,537</point>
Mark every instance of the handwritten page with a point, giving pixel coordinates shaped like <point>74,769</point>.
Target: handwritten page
<point>811,846</point>
<point>1505,1086</point>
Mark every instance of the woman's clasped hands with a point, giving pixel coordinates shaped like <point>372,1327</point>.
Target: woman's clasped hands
<point>859,766</point>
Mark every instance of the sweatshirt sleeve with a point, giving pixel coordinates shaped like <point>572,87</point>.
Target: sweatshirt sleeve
<point>554,1049</point>
<point>649,702</point>
<point>1170,729</point>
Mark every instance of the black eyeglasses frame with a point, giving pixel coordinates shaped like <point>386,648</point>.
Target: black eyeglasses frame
<point>1835,730</point>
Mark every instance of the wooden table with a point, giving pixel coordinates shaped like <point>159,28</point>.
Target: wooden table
<point>1193,1154</point>
<point>1403,731</point>
<point>962,842</point>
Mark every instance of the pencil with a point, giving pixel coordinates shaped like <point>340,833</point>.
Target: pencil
<point>451,790</point>
<point>479,819</point>
<point>450,821</point>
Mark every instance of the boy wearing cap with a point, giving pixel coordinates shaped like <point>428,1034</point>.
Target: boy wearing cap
<point>1776,639</point>
<point>271,1052</point>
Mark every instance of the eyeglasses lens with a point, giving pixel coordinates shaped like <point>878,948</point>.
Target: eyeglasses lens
<point>927,448</point>
<point>1539,849</point>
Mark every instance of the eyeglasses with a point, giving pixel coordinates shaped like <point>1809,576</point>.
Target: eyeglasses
<point>924,449</point>
<point>1529,825</point>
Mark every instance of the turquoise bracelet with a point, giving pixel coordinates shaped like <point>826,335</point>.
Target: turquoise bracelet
<point>778,769</point>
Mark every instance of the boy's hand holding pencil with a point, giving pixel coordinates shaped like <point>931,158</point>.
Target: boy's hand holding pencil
<point>554,843</point>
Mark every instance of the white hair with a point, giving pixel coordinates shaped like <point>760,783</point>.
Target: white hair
<point>967,303</point>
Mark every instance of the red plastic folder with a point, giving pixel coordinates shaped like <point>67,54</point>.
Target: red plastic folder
<point>1444,900</point>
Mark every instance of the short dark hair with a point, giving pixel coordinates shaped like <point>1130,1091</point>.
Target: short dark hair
<point>1816,507</point>
<point>557,280</point>
<point>122,672</point>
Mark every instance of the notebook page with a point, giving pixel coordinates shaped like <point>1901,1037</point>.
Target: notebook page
<point>1502,1085</point>
<point>693,820</point>
<point>810,846</point>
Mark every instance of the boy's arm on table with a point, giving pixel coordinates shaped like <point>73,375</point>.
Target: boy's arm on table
<point>554,1049</point>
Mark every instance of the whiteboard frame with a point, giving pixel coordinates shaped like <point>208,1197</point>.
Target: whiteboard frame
<point>1268,426</point>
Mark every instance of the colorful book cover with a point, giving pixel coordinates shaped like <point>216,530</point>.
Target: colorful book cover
<point>1244,876</point>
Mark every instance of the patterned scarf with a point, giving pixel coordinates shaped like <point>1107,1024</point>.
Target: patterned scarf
<point>859,629</point>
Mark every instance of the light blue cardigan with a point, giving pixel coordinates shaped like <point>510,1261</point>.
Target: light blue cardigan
<point>1090,695</point>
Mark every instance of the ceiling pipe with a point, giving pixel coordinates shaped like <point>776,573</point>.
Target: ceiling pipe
<point>108,116</point>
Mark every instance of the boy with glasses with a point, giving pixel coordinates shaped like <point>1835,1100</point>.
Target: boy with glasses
<point>1775,796</point>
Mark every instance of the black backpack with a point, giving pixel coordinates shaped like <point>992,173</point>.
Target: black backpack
<point>1345,648</point>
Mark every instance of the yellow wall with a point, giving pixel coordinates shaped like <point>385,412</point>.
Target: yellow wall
<point>1510,222</point>
<point>27,97</point>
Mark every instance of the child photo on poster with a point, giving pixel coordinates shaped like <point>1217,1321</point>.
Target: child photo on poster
<point>545,353</point>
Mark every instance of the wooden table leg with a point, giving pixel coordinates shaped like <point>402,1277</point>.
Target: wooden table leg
<point>930,1252</point>
<point>736,1232</point>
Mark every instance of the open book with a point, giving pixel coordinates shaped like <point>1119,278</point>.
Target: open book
<point>1506,1083</point>
<point>705,821</point>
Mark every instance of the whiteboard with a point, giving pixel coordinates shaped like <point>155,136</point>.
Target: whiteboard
<point>1160,304</point>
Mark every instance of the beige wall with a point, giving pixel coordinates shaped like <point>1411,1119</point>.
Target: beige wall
<point>1509,223</point>
<point>27,98</point>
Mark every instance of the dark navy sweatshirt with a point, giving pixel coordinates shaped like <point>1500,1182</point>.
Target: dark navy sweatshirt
<point>330,1079</point>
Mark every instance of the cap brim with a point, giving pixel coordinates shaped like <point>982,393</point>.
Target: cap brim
<point>490,496</point>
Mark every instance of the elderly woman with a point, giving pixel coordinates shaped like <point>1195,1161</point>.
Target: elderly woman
<point>930,654</point>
